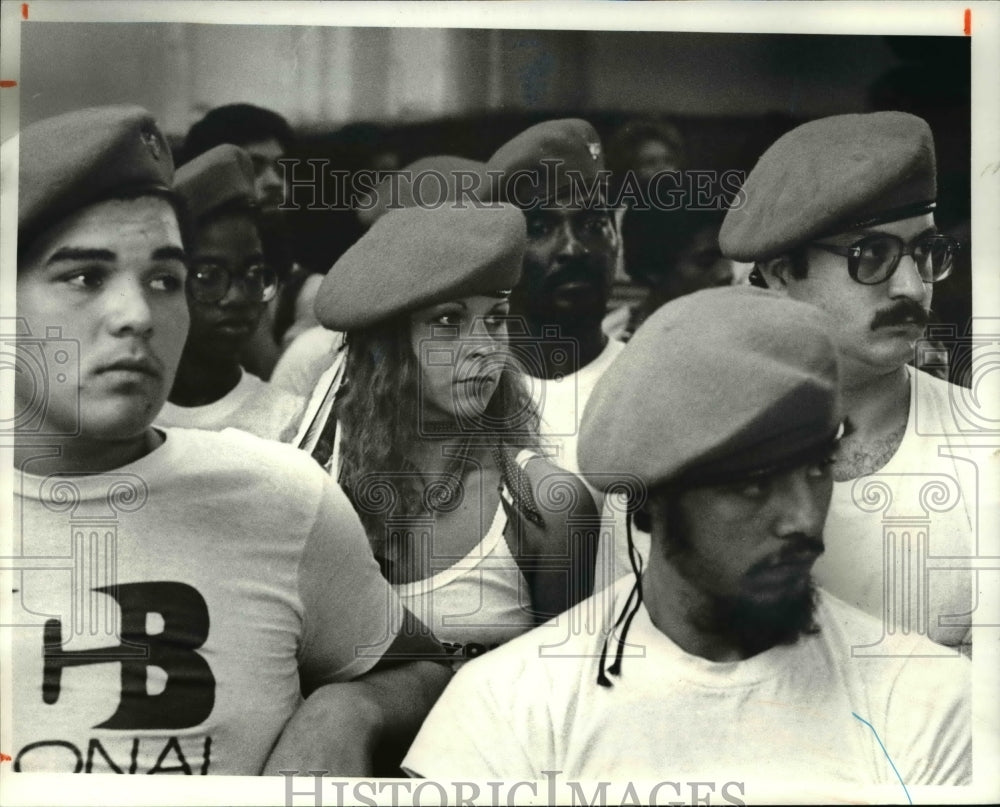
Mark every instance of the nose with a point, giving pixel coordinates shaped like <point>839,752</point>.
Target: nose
<point>128,311</point>
<point>570,246</point>
<point>803,504</point>
<point>270,178</point>
<point>906,281</point>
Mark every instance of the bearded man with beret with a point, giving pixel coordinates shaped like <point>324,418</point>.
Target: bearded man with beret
<point>724,662</point>
<point>839,213</point>
<point>555,172</point>
<point>181,589</point>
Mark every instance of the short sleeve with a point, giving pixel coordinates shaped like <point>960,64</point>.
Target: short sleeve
<point>474,729</point>
<point>351,614</point>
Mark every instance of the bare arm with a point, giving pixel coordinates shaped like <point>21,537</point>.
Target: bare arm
<point>364,727</point>
<point>558,561</point>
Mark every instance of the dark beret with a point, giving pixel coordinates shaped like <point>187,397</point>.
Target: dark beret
<point>430,182</point>
<point>220,177</point>
<point>711,388</point>
<point>532,167</point>
<point>77,159</point>
<point>419,256</point>
<point>832,175</point>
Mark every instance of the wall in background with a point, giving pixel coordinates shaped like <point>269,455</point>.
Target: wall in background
<point>321,78</point>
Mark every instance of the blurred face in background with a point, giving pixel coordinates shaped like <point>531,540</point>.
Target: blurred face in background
<point>228,286</point>
<point>569,265</point>
<point>269,178</point>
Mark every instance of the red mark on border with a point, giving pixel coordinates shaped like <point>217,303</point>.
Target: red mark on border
<point>4,757</point>
<point>24,11</point>
<point>968,22</point>
<point>8,83</point>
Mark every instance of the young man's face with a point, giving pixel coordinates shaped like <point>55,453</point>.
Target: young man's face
<point>268,177</point>
<point>877,326</point>
<point>569,265</point>
<point>227,245</point>
<point>111,277</point>
<point>749,549</point>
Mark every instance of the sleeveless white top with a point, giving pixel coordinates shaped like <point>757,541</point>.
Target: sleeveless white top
<point>471,606</point>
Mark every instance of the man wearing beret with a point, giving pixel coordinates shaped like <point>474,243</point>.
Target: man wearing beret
<point>228,287</point>
<point>267,138</point>
<point>180,589</point>
<point>725,663</point>
<point>839,214</point>
<point>555,172</point>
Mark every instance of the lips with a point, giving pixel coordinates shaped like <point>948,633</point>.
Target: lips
<point>143,365</point>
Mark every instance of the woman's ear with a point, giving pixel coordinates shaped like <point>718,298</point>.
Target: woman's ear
<point>775,272</point>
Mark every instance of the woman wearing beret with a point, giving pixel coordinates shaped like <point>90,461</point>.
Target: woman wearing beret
<point>431,431</point>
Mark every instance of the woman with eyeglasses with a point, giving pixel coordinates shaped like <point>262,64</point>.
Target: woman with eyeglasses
<point>228,286</point>
<point>428,425</point>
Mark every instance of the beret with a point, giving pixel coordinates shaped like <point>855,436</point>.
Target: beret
<point>221,176</point>
<point>519,174</point>
<point>832,175</point>
<point>711,388</point>
<point>430,182</point>
<point>418,256</point>
<point>73,160</point>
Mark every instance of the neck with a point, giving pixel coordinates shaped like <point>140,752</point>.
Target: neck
<point>203,380</point>
<point>80,455</point>
<point>588,343</point>
<point>875,403</point>
<point>671,600</point>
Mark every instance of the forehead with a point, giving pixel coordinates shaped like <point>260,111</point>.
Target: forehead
<point>114,225</point>
<point>231,232</point>
<point>269,149</point>
<point>905,229</point>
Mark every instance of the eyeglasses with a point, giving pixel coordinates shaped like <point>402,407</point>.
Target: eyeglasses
<point>209,282</point>
<point>875,258</point>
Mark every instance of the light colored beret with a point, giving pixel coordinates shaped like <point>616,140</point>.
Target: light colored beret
<point>832,175</point>
<point>73,160</point>
<point>221,176</point>
<point>419,256</point>
<point>532,167</point>
<point>711,388</point>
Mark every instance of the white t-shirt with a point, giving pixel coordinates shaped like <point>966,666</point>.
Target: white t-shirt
<point>914,514</point>
<point>786,715</point>
<point>305,360</point>
<point>253,405</point>
<point>179,597</point>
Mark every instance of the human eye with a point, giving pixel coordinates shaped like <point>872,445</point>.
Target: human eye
<point>86,278</point>
<point>538,226</point>
<point>820,468</point>
<point>448,319</point>
<point>168,281</point>
<point>597,221</point>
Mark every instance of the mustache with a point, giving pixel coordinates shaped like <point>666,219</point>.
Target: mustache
<point>798,547</point>
<point>901,313</point>
<point>579,271</point>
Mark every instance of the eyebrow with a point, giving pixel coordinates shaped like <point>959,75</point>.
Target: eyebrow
<point>170,253</point>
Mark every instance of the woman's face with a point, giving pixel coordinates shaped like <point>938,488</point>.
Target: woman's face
<point>461,348</point>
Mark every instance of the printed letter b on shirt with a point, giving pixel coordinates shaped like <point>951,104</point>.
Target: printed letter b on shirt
<point>189,694</point>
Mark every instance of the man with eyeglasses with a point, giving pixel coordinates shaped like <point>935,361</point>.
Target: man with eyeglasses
<point>724,665</point>
<point>228,287</point>
<point>839,213</point>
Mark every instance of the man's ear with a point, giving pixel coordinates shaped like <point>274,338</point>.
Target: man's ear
<point>776,272</point>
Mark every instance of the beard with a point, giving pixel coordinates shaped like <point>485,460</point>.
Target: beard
<point>753,626</point>
<point>746,620</point>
